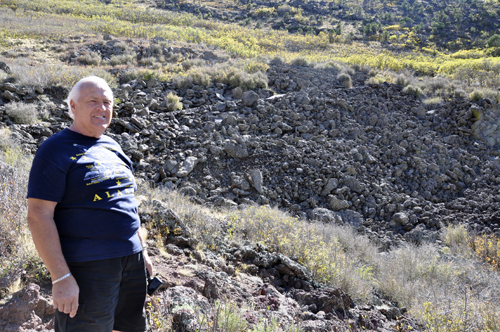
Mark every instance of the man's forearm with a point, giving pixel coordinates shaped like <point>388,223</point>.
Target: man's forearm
<point>65,290</point>
<point>46,238</point>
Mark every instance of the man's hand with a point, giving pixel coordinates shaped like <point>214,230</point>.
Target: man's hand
<point>148,263</point>
<point>65,296</point>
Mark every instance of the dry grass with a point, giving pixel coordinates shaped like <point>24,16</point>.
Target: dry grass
<point>448,288</point>
<point>43,75</point>
<point>17,251</point>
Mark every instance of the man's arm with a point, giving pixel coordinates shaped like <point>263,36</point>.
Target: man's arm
<point>46,238</point>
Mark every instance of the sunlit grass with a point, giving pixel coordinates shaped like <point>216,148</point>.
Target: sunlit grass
<point>52,18</point>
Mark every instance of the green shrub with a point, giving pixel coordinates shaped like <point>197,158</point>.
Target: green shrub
<point>375,80</point>
<point>345,79</point>
<point>349,70</point>
<point>124,59</point>
<point>437,83</point>
<point>373,72</point>
<point>300,61</point>
<point>23,113</point>
<point>200,78</point>
<point>92,58</point>
<point>175,57</point>
<point>334,65</point>
<point>286,9</point>
<point>459,93</point>
<point>188,64</point>
<point>433,101</point>
<point>476,95</point>
<point>182,81</point>
<point>173,102</point>
<point>493,41</point>
<point>455,235</point>
<point>413,90</point>
<point>230,318</point>
<point>122,46</point>
<point>314,245</point>
<point>401,80</point>
<point>147,61</point>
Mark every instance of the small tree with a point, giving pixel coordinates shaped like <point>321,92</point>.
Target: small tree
<point>493,41</point>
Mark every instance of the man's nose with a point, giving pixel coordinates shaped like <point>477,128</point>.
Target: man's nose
<point>101,105</point>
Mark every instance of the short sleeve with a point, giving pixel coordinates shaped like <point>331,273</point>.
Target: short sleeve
<point>47,180</point>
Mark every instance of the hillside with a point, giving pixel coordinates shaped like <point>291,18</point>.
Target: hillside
<point>312,194</point>
<point>446,25</point>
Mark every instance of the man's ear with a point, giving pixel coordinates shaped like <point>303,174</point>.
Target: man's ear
<point>72,104</point>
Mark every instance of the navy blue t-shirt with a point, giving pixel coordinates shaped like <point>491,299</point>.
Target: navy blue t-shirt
<point>92,182</point>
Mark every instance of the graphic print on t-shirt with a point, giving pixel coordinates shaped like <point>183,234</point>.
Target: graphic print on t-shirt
<point>103,164</point>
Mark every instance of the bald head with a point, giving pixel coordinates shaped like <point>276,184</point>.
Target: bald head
<point>74,94</point>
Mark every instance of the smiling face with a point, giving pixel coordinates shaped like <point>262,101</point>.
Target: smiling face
<point>93,110</point>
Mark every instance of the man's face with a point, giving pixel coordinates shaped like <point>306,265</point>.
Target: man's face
<point>93,110</point>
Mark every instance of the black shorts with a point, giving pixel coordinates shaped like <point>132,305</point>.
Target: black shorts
<point>112,296</point>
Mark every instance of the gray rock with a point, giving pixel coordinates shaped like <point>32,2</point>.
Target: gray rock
<point>254,176</point>
<point>337,204</point>
<point>187,167</point>
<point>330,185</point>
<point>390,312</point>
<point>9,96</point>
<point>236,150</point>
<point>224,203</point>
<point>400,218</point>
<point>250,98</point>
<point>351,217</point>
<point>325,215</point>
<point>290,267</point>
<point>5,68</point>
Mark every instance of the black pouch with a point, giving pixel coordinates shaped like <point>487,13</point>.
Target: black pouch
<point>153,285</point>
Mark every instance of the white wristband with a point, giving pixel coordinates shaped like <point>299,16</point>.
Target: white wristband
<point>60,279</point>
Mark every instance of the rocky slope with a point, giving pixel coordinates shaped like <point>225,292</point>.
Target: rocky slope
<point>370,156</point>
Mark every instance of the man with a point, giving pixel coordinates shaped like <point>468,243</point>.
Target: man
<point>83,219</point>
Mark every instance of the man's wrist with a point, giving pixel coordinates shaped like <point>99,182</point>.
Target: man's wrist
<point>62,278</point>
